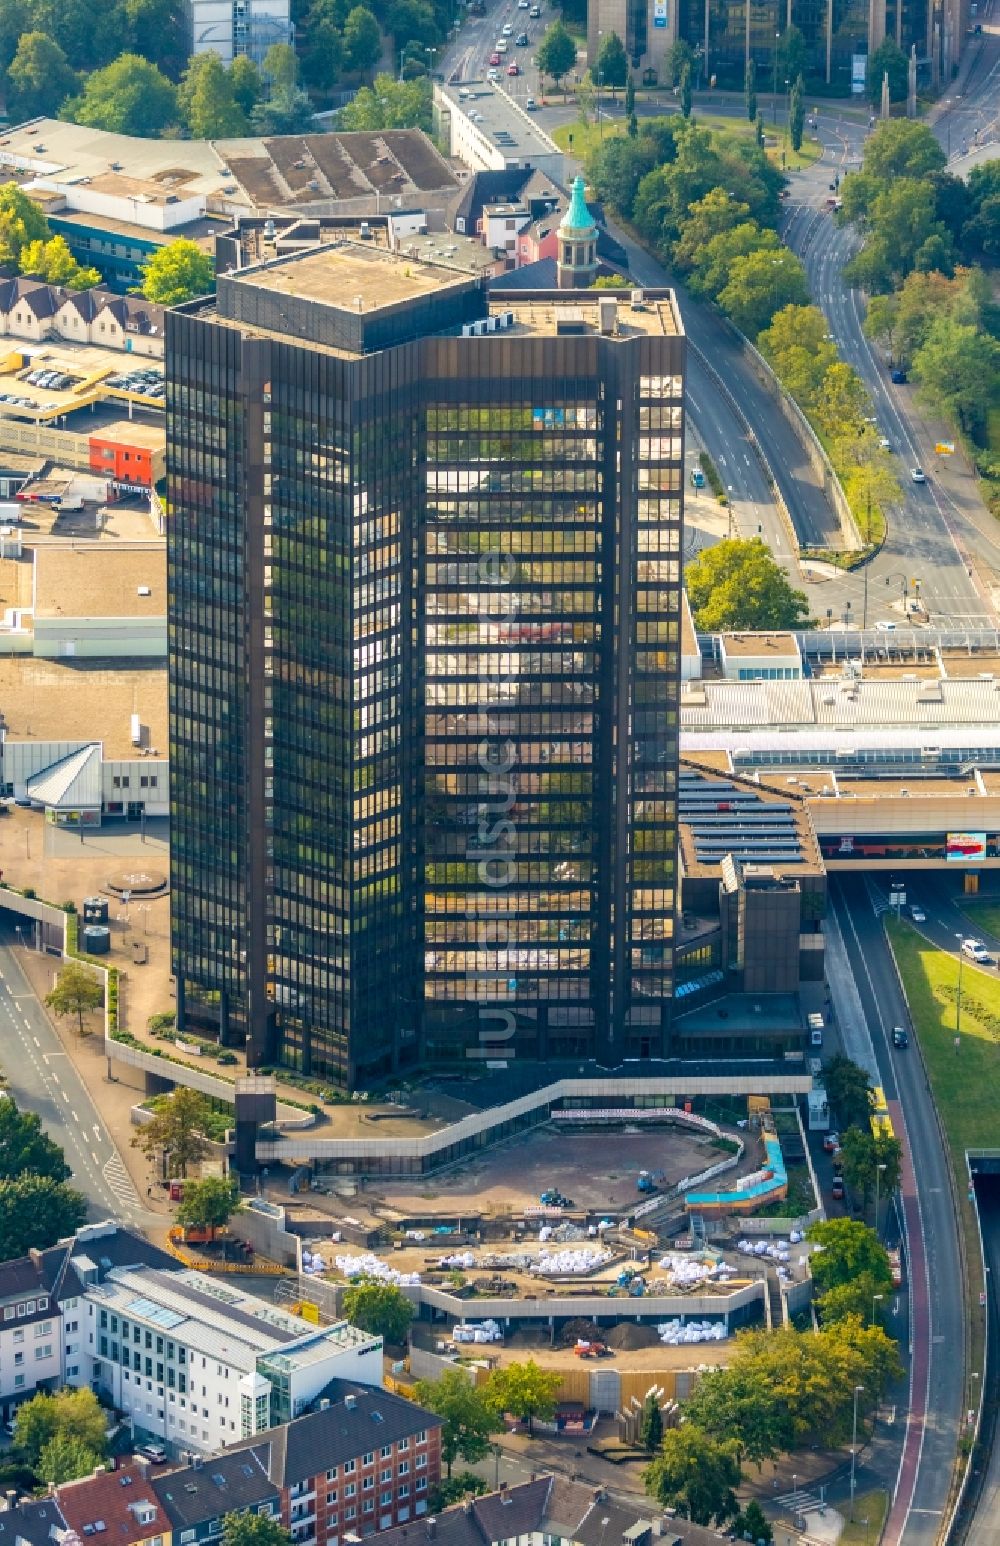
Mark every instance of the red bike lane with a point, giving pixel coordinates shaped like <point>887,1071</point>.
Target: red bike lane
<point>920,1339</point>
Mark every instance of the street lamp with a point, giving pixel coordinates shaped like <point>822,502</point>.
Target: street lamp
<point>854,1444</point>
<point>878,1171</point>
<point>876,1298</point>
<point>774,82</point>
<point>731,511</point>
<point>958,1000</point>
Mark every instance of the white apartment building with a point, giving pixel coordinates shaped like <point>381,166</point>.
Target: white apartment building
<point>30,1332</point>
<point>200,1364</point>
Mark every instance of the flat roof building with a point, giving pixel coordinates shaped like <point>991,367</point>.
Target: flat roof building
<point>426,593</point>
<point>484,127</point>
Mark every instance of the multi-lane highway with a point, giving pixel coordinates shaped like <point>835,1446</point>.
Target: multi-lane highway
<point>937,1302</point>
<point>42,1078</point>
<point>942,535</point>
<point>714,355</point>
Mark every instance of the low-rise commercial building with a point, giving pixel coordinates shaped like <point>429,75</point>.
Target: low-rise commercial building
<point>488,130</point>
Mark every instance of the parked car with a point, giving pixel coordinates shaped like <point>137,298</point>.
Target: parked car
<point>898,377</point>
<point>899,1037</point>
<point>154,1452</point>
<point>831,1142</point>
<point>837,1189</point>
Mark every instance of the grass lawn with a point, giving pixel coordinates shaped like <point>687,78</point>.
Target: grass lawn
<point>586,137</point>
<point>966,1084</point>
<point>983,914</point>
<point>581,139</point>
<point>872,1506</point>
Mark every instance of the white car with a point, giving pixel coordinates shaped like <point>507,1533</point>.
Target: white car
<point>506,30</point>
<point>918,475</point>
<point>917,914</point>
<point>884,443</point>
<point>977,951</point>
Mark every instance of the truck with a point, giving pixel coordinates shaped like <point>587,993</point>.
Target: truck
<point>645,1183</point>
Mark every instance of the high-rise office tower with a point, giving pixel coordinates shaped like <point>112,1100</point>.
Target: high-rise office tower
<point>424,577</point>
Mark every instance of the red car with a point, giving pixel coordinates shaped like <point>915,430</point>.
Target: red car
<point>494,59</point>
<point>512,69</point>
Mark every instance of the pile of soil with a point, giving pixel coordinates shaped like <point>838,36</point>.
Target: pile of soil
<point>580,1331</point>
<point>628,1337</point>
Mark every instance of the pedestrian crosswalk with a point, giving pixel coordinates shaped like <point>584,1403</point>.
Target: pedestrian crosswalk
<point>800,1502</point>
<point>120,1182</point>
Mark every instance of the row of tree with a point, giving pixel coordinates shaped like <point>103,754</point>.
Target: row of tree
<point>37,1207</point>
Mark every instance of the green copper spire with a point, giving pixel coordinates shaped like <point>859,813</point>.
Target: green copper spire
<point>577,216</point>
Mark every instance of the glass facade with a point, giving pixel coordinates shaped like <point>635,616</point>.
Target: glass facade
<point>424,611</point>
<point>846,21</point>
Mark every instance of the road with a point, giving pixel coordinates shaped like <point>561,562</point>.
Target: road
<point>942,535</point>
<point>42,1079</point>
<point>937,1302</point>
<point>715,423</point>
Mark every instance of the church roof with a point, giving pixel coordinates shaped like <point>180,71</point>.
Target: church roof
<point>577,216</point>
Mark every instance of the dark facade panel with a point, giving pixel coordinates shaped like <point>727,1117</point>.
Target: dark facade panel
<point>424,699</point>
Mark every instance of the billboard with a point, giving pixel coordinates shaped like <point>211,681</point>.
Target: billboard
<point>659,13</point>
<point>965,847</point>
<point>859,73</point>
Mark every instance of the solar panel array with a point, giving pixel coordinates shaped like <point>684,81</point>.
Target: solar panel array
<point>726,818</point>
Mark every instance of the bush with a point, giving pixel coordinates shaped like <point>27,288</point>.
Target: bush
<point>227,1058</point>
<point>712,478</point>
<point>163,1021</point>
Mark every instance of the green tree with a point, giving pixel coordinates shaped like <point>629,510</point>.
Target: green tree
<point>737,584</point>
<point>679,56</point>
<point>685,92</point>
<point>24,1147</point>
<point>761,284</point>
<point>15,21</point>
<point>65,1458</point>
<point>39,78</point>
<point>158,30</point>
<point>89,32</point>
<point>734,1405</point>
<point>651,1433</point>
<point>177,1128</point>
<point>176,273</point>
<point>69,1414</point>
<point>21,222</point>
<point>793,54</point>
<point>752,1523</point>
<point>468,1418</point>
<point>882,320</point>
<point>859,1299</point>
<point>952,367</point>
<point>712,262</point>
<point>617,167</point>
<point>53,262</point>
<point>247,1529</point>
<point>849,1089</point>
<point>524,1390</point>
<point>797,347</point>
<point>380,1308</point>
<point>696,1475</point>
<point>611,68</point>
<point>464,1484</point>
<point>849,1249</point>
<point>797,113</point>
<point>77,990</point>
<point>843,401</point>
<point>37,1211</point>
<point>208,1204</point>
<point>362,40</point>
<point>206,100</point>
<point>287,110</point>
<point>246,83</point>
<point>389,104</point>
<point>901,147</point>
<point>632,126</point>
<point>556,53</point>
<point>887,59</point>
<point>709,217</point>
<point>864,1157</point>
<point>281,67</point>
<point>750,90</point>
<point>981,232</point>
<point>129,96</point>
<point>321,44</point>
